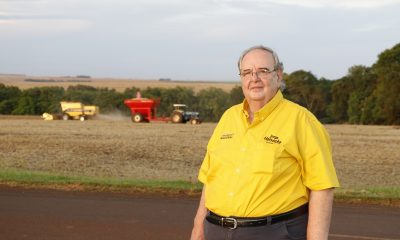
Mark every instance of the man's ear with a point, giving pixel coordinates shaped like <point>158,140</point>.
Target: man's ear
<point>280,74</point>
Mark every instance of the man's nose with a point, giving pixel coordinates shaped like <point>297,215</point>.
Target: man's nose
<point>254,75</point>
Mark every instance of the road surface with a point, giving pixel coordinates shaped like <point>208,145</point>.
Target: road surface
<point>50,214</point>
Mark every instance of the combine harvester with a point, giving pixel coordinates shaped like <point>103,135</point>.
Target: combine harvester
<point>145,109</point>
<point>75,111</point>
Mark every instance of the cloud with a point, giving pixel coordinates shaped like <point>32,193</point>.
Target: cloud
<point>42,17</point>
<point>342,4</point>
<point>41,27</point>
<point>141,31</point>
<point>370,28</point>
<point>367,4</point>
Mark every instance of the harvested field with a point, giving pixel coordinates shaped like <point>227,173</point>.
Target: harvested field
<point>118,84</point>
<point>363,155</point>
<point>366,155</point>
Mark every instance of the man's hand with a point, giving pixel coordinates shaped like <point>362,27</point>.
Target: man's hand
<point>197,232</point>
<point>198,226</point>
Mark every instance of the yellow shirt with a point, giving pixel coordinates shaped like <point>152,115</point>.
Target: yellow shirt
<point>266,167</point>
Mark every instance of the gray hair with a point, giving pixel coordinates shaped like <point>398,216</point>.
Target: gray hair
<point>277,65</point>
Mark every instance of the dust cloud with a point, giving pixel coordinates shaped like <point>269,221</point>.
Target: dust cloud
<point>114,116</point>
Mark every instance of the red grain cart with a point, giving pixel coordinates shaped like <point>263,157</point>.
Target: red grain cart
<point>144,109</point>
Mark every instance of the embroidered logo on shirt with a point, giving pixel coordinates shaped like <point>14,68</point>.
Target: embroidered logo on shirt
<point>272,139</point>
<point>226,136</point>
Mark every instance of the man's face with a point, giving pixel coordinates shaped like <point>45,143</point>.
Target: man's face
<point>263,86</point>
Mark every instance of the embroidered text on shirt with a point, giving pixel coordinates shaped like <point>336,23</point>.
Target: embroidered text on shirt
<point>272,139</point>
<point>226,136</point>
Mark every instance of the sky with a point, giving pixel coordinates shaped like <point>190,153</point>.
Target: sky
<point>192,39</point>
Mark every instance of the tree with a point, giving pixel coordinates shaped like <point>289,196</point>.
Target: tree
<point>49,99</point>
<point>325,86</point>
<point>169,96</point>
<point>387,106</point>
<point>362,82</point>
<point>9,97</point>
<point>10,92</point>
<point>212,103</point>
<point>7,106</point>
<point>80,93</point>
<point>131,92</point>
<point>236,95</point>
<point>26,106</point>
<point>368,113</point>
<point>108,100</point>
<point>350,95</point>
<point>304,88</point>
<point>337,109</point>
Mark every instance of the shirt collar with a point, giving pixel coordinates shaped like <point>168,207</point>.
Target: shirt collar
<point>265,111</point>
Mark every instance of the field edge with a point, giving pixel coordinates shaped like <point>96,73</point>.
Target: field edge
<point>386,196</point>
<point>44,180</point>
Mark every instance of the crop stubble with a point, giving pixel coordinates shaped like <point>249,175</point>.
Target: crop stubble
<point>104,148</point>
<point>363,155</point>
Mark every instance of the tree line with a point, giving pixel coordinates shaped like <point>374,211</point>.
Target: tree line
<point>211,102</point>
<point>366,95</point>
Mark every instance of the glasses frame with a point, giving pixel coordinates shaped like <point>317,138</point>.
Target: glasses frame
<point>247,73</point>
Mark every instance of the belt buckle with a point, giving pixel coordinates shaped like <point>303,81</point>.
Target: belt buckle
<point>229,219</point>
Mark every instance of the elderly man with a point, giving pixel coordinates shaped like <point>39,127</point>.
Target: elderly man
<point>268,171</point>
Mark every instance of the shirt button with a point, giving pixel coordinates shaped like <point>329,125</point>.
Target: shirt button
<point>230,194</point>
<point>238,170</point>
<point>243,149</point>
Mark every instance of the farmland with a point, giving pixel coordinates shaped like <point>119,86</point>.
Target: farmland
<point>114,147</point>
<point>118,84</point>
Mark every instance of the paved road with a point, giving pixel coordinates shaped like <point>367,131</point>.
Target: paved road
<point>45,214</point>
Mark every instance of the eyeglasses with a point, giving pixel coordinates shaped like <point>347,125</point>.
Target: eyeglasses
<point>261,73</point>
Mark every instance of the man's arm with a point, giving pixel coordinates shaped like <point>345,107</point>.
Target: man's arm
<point>198,226</point>
<point>319,218</point>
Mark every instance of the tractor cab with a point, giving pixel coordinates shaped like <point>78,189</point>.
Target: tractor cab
<point>180,107</point>
<point>181,115</point>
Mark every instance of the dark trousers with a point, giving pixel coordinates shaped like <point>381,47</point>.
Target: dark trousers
<point>295,228</point>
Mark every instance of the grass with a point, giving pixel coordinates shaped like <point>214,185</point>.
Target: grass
<point>48,180</point>
<point>389,196</point>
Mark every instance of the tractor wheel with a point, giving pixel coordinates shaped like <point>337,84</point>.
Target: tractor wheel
<point>65,117</point>
<point>137,117</point>
<point>82,118</point>
<point>194,121</point>
<point>176,117</point>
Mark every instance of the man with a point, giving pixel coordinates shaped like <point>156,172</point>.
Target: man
<point>268,171</point>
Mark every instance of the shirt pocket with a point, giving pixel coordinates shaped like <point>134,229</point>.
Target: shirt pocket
<point>264,158</point>
<point>222,159</point>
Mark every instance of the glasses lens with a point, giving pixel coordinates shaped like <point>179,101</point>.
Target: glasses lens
<point>262,73</point>
<point>246,73</point>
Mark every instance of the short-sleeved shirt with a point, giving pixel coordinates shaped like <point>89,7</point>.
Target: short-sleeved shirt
<point>269,166</point>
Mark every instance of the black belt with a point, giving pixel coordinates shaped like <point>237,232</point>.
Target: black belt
<point>234,222</point>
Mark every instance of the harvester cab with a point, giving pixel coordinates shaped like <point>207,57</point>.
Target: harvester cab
<point>76,110</point>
